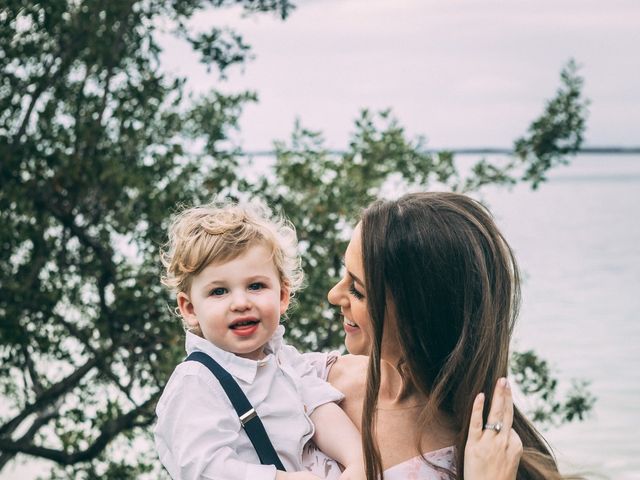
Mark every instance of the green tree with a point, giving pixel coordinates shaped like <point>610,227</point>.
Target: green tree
<point>97,148</point>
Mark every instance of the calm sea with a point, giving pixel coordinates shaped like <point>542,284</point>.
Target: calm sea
<point>578,242</point>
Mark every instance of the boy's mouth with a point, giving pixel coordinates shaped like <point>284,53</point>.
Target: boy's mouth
<point>243,323</point>
<point>244,326</point>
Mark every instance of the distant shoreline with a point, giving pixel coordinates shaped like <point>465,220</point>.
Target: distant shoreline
<point>476,151</point>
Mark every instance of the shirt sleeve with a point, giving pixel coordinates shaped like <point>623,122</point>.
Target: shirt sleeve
<point>314,390</point>
<point>322,362</point>
<point>196,431</point>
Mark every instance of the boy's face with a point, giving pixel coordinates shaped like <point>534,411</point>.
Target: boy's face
<point>237,304</point>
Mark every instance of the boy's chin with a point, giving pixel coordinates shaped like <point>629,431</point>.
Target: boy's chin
<point>252,355</point>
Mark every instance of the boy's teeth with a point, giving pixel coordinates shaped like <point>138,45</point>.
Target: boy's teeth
<point>244,324</point>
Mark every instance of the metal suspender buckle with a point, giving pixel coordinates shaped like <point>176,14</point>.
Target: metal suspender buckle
<point>247,416</point>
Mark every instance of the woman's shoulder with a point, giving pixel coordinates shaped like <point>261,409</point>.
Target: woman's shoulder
<point>350,364</point>
<point>348,373</point>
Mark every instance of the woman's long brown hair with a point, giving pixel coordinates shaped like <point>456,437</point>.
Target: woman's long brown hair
<point>455,290</point>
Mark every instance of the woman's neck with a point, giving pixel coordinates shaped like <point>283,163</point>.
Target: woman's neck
<point>394,390</point>
<point>400,404</point>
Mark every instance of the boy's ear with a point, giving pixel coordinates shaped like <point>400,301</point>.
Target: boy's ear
<point>285,298</point>
<point>187,310</point>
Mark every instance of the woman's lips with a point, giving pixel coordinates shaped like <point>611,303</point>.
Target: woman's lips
<point>349,326</point>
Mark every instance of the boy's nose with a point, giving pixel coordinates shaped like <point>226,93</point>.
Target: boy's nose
<point>239,302</point>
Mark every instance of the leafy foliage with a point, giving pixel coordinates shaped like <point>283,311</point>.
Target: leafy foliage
<point>97,148</point>
<point>533,376</point>
<point>555,134</point>
<point>96,151</point>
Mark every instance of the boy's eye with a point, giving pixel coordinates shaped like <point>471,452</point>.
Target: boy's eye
<point>256,286</point>
<point>356,294</point>
<point>218,291</point>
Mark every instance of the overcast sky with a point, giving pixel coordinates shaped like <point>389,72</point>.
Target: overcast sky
<point>462,73</point>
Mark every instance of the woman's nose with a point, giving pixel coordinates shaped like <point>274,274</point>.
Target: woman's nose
<point>334,296</point>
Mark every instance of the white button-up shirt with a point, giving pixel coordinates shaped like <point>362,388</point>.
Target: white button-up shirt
<point>198,434</point>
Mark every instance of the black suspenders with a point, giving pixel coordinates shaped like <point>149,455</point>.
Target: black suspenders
<point>246,413</point>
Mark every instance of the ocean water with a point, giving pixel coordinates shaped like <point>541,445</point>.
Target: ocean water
<point>577,239</point>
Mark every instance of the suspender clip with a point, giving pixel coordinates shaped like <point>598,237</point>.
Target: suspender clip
<point>247,416</point>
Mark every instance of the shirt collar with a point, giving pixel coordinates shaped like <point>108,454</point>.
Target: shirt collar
<point>242,368</point>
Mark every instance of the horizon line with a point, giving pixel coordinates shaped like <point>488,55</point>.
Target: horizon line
<point>595,150</point>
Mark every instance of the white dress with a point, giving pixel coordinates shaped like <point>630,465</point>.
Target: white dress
<point>435,465</point>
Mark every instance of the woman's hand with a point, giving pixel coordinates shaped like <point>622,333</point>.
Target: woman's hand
<point>493,452</point>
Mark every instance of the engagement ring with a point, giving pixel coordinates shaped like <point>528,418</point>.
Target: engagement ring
<point>494,426</point>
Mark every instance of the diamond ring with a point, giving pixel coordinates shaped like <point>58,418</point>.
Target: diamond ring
<point>494,426</point>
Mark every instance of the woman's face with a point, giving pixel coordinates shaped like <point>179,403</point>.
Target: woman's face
<point>349,294</point>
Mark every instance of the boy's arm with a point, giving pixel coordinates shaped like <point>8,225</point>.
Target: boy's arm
<point>314,388</point>
<point>196,431</point>
<point>337,436</point>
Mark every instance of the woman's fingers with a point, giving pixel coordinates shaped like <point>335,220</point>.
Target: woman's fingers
<point>514,451</point>
<point>488,453</point>
<point>515,445</point>
<point>475,424</point>
<point>500,416</point>
<point>507,419</point>
<point>496,412</point>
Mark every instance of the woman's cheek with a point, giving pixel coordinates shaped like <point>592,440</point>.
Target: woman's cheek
<point>359,343</point>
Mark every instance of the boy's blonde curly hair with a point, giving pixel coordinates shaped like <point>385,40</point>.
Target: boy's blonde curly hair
<point>222,231</point>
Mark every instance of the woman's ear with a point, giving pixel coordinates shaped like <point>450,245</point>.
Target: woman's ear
<point>187,310</point>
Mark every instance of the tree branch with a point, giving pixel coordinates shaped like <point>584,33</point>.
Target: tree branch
<point>82,337</point>
<point>107,433</point>
<point>49,201</point>
<point>53,392</point>
<point>37,386</point>
<point>38,423</point>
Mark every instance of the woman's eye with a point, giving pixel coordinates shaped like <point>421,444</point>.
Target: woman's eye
<point>256,286</point>
<point>354,292</point>
<point>218,291</point>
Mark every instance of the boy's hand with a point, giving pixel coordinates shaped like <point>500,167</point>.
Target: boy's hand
<point>354,472</point>
<point>493,452</point>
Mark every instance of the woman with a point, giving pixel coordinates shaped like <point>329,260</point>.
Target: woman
<point>430,293</point>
